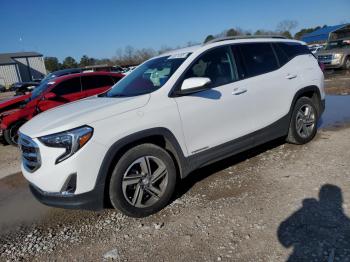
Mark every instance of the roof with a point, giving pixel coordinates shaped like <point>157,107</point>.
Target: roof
<point>321,34</point>
<point>230,40</point>
<point>7,58</point>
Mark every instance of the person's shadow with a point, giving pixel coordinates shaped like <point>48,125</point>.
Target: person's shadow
<point>319,230</point>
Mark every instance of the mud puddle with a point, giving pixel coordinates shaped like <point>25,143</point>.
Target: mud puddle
<point>337,112</point>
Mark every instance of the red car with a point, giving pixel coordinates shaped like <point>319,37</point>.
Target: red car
<point>51,93</point>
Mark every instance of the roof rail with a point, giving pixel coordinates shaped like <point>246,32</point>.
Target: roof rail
<point>243,37</point>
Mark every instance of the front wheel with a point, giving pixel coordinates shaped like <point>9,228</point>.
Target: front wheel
<point>303,125</point>
<point>142,181</point>
<point>11,134</point>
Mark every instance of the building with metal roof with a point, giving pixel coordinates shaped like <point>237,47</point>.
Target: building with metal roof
<point>328,33</point>
<point>21,67</point>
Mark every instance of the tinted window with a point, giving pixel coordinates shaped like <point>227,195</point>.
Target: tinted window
<point>293,49</point>
<point>116,79</point>
<point>68,87</point>
<point>258,58</point>
<point>92,82</point>
<point>217,65</point>
<point>281,55</point>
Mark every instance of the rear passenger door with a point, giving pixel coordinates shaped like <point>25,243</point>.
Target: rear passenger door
<point>96,84</point>
<point>269,87</point>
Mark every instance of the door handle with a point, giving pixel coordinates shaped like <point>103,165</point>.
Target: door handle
<point>237,91</point>
<point>291,76</point>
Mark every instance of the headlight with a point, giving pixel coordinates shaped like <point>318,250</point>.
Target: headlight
<point>71,140</point>
<point>337,56</point>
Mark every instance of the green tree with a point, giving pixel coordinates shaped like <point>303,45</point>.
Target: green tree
<point>209,38</point>
<point>86,61</point>
<point>286,34</point>
<point>69,62</point>
<point>52,64</point>
<point>232,32</point>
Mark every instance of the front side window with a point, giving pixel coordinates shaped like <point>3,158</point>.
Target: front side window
<point>148,77</point>
<point>257,58</point>
<point>92,82</point>
<point>67,87</point>
<point>216,64</point>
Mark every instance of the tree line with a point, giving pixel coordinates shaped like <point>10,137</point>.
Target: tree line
<point>131,56</point>
<point>283,28</point>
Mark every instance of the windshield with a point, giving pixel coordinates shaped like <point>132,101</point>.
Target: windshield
<point>40,89</point>
<point>336,44</point>
<point>49,76</point>
<point>148,77</point>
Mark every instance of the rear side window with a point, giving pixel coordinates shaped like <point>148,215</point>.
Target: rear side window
<point>67,87</point>
<point>293,49</point>
<point>92,82</point>
<point>257,58</point>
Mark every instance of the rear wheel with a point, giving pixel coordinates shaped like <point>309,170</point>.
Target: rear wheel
<point>303,125</point>
<point>143,181</point>
<point>11,134</point>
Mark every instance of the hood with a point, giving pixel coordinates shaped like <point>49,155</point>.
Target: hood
<point>333,51</point>
<point>12,102</point>
<point>83,112</point>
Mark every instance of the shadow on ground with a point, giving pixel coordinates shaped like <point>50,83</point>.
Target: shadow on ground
<point>319,230</point>
<point>198,175</point>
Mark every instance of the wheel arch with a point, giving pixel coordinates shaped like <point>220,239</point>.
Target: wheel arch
<point>312,92</point>
<point>161,137</point>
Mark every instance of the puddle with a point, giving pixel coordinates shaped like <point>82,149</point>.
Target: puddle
<point>337,111</point>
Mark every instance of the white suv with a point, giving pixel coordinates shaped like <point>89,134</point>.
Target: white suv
<point>174,113</point>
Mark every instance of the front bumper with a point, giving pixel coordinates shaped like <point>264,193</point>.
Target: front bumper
<point>329,62</point>
<point>92,200</point>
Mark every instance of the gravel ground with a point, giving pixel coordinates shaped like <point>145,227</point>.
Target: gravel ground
<point>337,82</point>
<point>276,202</point>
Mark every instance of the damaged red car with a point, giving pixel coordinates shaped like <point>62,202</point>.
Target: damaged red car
<point>49,94</point>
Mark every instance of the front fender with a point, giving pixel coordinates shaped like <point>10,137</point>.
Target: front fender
<point>20,115</point>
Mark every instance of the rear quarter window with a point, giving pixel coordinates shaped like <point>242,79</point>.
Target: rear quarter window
<point>292,49</point>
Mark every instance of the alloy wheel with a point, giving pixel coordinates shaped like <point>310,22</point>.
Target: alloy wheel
<point>145,181</point>
<point>305,121</point>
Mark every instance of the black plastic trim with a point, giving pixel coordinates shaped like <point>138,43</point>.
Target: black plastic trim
<point>92,200</point>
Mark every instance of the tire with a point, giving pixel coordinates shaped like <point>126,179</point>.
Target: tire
<point>134,189</point>
<point>303,125</point>
<point>11,134</point>
<point>347,63</point>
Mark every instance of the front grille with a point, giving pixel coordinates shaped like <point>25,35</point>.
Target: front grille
<point>30,153</point>
<point>324,58</point>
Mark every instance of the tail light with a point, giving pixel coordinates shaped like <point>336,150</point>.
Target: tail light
<point>321,66</point>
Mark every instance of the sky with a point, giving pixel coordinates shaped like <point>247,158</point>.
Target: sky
<point>99,28</point>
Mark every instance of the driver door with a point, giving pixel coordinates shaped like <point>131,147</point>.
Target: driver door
<point>219,114</point>
<point>66,91</point>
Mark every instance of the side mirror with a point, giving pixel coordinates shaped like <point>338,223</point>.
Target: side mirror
<point>49,96</point>
<point>195,84</point>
